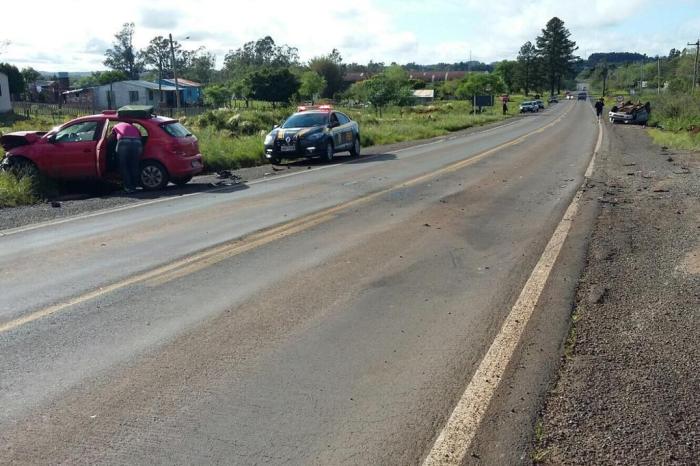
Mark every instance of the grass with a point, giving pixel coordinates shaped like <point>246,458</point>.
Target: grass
<point>16,191</point>
<point>539,454</point>
<point>679,140</point>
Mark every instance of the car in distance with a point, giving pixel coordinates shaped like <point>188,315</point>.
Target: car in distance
<point>529,106</point>
<point>582,96</point>
<point>553,99</point>
<point>313,131</point>
<point>540,104</point>
<point>84,148</point>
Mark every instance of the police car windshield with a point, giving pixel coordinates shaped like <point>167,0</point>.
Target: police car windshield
<point>306,120</point>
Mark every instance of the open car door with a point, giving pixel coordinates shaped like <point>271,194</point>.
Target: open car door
<point>102,148</point>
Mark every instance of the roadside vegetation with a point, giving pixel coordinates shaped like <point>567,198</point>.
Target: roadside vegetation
<point>668,86</point>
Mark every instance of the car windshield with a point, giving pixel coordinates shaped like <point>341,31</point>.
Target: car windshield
<point>306,120</point>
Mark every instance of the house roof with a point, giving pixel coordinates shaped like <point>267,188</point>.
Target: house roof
<point>150,85</point>
<point>437,75</point>
<point>424,93</point>
<point>183,82</point>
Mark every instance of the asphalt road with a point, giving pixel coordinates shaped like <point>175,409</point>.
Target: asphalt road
<point>332,316</point>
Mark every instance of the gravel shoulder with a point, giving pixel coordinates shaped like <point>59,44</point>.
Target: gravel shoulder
<point>81,199</point>
<point>629,387</point>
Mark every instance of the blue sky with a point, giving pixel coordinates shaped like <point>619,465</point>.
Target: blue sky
<point>389,30</point>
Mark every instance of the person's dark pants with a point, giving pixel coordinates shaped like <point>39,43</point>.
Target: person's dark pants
<point>129,153</point>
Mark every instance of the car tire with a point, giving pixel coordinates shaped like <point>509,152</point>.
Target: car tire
<point>328,153</point>
<point>182,181</point>
<point>153,175</point>
<point>355,149</point>
<point>21,167</point>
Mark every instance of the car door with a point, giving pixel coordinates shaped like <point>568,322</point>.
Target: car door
<point>346,130</point>
<point>73,150</point>
<point>336,131</point>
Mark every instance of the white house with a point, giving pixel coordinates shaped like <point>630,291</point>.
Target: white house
<point>5,104</point>
<point>122,93</point>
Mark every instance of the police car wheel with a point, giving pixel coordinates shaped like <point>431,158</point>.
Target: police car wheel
<point>329,152</point>
<point>355,151</point>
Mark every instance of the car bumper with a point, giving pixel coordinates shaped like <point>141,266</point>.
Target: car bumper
<point>623,117</point>
<point>274,151</point>
<point>180,167</point>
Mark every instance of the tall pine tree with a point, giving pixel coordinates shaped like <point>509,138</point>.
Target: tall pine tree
<point>557,53</point>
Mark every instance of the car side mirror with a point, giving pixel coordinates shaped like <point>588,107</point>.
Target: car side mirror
<point>275,126</point>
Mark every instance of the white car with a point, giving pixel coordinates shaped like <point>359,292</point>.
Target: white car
<point>529,106</point>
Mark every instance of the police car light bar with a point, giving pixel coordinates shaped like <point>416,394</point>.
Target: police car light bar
<point>303,108</point>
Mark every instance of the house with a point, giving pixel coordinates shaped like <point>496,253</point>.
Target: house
<point>190,91</point>
<point>436,76</point>
<point>424,96</point>
<point>44,91</point>
<point>118,94</point>
<point>5,104</point>
<point>84,97</point>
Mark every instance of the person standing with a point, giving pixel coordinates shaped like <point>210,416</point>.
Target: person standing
<point>599,107</point>
<point>129,149</point>
<point>505,107</point>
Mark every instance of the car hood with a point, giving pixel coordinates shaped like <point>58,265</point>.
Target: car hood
<point>20,138</point>
<point>294,133</point>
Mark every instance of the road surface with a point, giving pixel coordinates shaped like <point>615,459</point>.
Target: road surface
<point>333,316</point>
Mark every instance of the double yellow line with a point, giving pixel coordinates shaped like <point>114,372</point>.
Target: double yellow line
<point>201,260</point>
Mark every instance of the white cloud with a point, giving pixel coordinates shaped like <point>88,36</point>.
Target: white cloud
<point>363,30</point>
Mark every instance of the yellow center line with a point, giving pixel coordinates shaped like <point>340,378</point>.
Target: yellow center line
<point>198,261</point>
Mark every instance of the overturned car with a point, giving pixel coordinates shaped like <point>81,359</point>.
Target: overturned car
<point>630,113</point>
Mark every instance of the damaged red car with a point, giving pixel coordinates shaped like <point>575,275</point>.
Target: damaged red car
<point>84,148</point>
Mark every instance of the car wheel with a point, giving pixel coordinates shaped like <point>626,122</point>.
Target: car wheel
<point>153,175</point>
<point>182,181</point>
<point>328,154</point>
<point>355,151</point>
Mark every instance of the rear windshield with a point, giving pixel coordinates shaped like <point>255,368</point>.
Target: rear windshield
<point>176,130</point>
<point>306,120</point>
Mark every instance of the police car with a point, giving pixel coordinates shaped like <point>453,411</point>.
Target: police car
<point>313,131</point>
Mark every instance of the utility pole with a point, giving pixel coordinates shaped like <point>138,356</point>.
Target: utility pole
<point>695,68</point>
<point>172,59</point>
<point>658,75</point>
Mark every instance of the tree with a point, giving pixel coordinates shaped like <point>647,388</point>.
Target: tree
<point>312,84</point>
<point>217,95</point>
<point>15,78</point>
<point>122,56</point>
<point>241,89</point>
<point>157,55</point>
<point>390,87</point>
<point>30,75</point>
<point>263,53</point>
<point>100,78</point>
<point>331,68</point>
<point>557,52</point>
<point>199,65</point>
<point>273,85</point>
<point>480,84</point>
<point>506,69</point>
<point>527,67</point>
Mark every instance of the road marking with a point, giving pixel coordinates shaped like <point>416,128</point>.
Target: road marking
<point>111,210</point>
<point>456,437</point>
<point>211,256</point>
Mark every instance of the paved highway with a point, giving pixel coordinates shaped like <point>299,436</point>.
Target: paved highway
<point>333,316</point>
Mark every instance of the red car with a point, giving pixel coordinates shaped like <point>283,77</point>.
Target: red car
<point>84,149</point>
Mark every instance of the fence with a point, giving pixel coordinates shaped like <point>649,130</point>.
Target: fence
<point>60,113</point>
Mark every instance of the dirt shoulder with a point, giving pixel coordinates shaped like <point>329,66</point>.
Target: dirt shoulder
<point>81,199</point>
<point>629,388</point>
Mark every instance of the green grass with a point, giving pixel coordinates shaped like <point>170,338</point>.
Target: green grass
<point>678,140</point>
<point>221,151</point>
<point>16,191</point>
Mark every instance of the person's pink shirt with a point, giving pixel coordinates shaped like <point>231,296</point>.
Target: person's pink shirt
<point>125,130</point>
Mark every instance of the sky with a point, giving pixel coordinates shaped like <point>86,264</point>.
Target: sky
<point>72,35</point>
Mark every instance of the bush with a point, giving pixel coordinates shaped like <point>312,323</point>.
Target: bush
<point>16,191</point>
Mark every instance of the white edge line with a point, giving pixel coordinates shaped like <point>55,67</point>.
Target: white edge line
<point>111,210</point>
<point>456,437</point>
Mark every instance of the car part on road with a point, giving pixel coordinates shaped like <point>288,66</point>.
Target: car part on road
<point>153,175</point>
<point>182,181</point>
